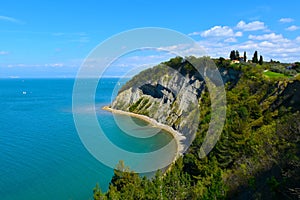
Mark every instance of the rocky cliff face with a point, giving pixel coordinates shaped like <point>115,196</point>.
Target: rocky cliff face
<point>170,95</point>
<point>288,95</point>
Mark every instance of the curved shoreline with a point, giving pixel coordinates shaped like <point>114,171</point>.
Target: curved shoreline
<point>180,149</point>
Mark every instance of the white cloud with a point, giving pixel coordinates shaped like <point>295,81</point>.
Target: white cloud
<point>81,40</point>
<point>292,28</point>
<point>69,34</point>
<point>248,45</point>
<point>252,26</point>
<point>269,37</point>
<point>286,20</point>
<point>55,65</point>
<point>230,40</point>
<point>183,50</point>
<point>9,19</point>
<point>194,33</point>
<point>220,31</point>
<point>266,44</point>
<point>4,52</point>
<point>37,65</point>
<point>239,34</point>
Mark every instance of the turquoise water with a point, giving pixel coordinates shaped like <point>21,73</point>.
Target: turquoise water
<point>42,156</point>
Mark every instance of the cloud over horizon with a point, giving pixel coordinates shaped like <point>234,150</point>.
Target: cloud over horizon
<point>220,31</point>
<point>251,26</point>
<point>9,19</point>
<point>292,28</point>
<point>4,52</point>
<point>250,37</point>
<point>286,20</point>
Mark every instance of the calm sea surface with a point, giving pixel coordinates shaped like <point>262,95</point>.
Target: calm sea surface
<point>41,155</point>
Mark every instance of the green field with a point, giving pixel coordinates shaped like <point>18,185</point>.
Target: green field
<point>271,74</point>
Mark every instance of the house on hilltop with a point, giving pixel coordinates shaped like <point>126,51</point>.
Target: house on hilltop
<point>235,61</point>
<point>239,60</point>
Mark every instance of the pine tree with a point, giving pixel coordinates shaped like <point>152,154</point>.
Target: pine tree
<point>113,193</point>
<point>157,186</point>
<point>97,193</point>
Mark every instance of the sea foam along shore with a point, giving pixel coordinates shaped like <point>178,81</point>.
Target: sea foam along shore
<point>180,138</point>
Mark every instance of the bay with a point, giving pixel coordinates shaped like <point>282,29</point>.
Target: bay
<point>41,155</point>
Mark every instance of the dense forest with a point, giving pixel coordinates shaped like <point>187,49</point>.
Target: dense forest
<point>257,156</point>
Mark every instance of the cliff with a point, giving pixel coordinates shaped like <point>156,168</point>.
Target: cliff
<point>170,94</point>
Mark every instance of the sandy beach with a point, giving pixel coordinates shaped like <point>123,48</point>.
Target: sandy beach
<point>177,135</point>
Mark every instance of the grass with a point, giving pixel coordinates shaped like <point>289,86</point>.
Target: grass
<point>271,74</point>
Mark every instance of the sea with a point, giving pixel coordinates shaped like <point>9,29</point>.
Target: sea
<point>41,153</point>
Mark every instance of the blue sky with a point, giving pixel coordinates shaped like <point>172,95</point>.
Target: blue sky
<point>51,39</point>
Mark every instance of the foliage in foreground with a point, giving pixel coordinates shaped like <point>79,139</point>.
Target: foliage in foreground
<point>257,156</point>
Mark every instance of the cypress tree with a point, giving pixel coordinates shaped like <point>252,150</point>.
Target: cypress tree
<point>232,55</point>
<point>261,60</point>
<point>255,58</point>
<point>237,55</point>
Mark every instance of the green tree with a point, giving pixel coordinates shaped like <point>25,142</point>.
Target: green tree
<point>173,182</point>
<point>237,55</point>
<point>97,194</point>
<point>157,186</point>
<point>113,193</point>
<point>221,62</point>
<point>245,56</point>
<point>255,57</point>
<point>126,184</point>
<point>261,61</point>
<point>297,66</point>
<point>232,55</point>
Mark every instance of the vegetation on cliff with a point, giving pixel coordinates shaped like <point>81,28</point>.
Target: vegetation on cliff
<point>257,156</point>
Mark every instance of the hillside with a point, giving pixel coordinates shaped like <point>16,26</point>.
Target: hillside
<point>257,156</point>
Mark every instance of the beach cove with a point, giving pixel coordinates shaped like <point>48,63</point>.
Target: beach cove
<point>179,137</point>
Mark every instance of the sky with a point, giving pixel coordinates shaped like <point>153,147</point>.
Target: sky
<point>52,38</point>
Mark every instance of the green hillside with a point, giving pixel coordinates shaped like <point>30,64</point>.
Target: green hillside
<point>257,156</point>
